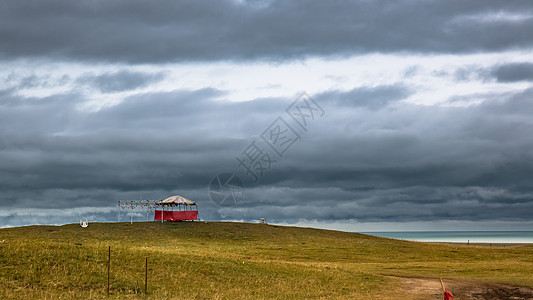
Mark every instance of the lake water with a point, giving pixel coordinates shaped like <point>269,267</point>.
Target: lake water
<point>460,236</point>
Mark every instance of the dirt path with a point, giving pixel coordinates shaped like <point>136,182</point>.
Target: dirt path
<point>430,288</point>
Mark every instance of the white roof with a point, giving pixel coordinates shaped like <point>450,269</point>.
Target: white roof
<point>177,199</point>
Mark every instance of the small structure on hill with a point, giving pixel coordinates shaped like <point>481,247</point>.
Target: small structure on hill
<point>176,208</point>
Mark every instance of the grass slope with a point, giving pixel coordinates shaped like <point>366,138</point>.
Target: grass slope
<point>198,260</point>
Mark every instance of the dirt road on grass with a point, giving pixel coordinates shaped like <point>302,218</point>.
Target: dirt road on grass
<point>430,288</point>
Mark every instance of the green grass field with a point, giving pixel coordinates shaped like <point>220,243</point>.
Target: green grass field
<point>218,260</point>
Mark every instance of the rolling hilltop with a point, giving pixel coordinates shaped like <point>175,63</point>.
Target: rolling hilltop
<point>199,260</point>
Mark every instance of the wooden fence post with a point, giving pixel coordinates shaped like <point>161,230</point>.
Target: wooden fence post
<point>108,269</point>
<point>146,277</point>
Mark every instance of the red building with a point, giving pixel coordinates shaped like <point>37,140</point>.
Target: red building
<point>176,208</point>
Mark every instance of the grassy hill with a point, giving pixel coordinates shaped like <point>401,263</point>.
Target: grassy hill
<point>215,260</point>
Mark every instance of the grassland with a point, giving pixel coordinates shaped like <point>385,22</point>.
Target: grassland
<point>234,261</point>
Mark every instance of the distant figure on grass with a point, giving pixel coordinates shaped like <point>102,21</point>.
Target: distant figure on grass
<point>84,224</point>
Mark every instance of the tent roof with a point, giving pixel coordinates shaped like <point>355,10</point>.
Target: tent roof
<point>177,199</point>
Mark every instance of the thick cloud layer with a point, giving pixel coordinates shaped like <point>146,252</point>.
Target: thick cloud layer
<point>424,108</point>
<point>139,31</point>
<point>373,157</point>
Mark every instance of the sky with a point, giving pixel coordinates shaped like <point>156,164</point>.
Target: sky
<point>348,115</point>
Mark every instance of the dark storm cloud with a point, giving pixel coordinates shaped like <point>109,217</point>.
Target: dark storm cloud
<point>124,80</point>
<point>402,205</point>
<point>449,163</point>
<point>139,31</point>
<point>513,72</point>
<point>401,162</point>
<point>160,140</point>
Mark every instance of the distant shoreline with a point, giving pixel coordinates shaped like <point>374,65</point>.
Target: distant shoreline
<point>480,238</point>
<point>483,244</point>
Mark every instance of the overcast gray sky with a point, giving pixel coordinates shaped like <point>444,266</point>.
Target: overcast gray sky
<point>425,117</point>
